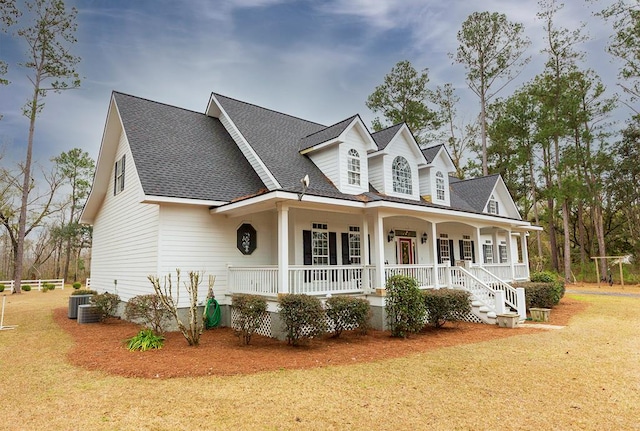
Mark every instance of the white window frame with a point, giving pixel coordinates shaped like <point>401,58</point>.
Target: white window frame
<point>492,206</point>
<point>319,244</point>
<point>502,252</point>
<point>440,195</point>
<point>445,252</point>
<point>355,245</point>
<point>401,174</point>
<point>353,167</point>
<point>467,249</point>
<point>118,177</point>
<point>487,251</point>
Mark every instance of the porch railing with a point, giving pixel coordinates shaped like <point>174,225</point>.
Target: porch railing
<point>521,271</point>
<point>492,299</point>
<point>514,297</point>
<point>422,273</point>
<point>258,280</point>
<point>326,279</point>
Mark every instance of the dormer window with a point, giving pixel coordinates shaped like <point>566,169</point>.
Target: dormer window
<point>439,186</point>
<point>492,206</point>
<point>401,173</point>
<point>353,167</point>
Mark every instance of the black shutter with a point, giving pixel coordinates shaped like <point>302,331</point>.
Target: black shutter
<point>115,177</point>
<point>306,247</point>
<point>497,208</point>
<point>345,248</point>
<point>369,246</point>
<point>473,253</point>
<point>461,249</point>
<point>438,250</point>
<point>451,253</point>
<point>333,252</point>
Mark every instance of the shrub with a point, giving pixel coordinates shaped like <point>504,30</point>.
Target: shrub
<point>145,340</point>
<point>1,287</point>
<point>250,310</point>
<point>404,306</point>
<point>106,303</point>
<point>76,285</point>
<point>347,312</point>
<point>444,305</point>
<point>47,287</point>
<point>303,317</point>
<point>84,292</point>
<point>149,309</point>
<point>554,279</point>
<point>26,288</point>
<point>538,295</point>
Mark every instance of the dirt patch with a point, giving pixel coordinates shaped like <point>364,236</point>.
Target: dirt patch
<point>101,347</point>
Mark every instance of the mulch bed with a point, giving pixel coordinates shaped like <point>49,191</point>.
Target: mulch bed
<point>101,347</point>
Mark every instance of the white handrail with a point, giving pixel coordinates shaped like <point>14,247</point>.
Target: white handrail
<point>513,297</point>
<point>463,279</point>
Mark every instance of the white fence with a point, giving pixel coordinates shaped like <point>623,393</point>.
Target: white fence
<point>35,284</point>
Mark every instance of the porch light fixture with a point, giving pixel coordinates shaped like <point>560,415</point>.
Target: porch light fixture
<point>423,238</point>
<point>391,235</point>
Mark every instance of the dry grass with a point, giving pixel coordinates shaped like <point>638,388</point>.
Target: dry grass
<point>585,376</point>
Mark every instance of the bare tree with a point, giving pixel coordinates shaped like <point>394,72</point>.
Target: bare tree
<point>49,33</point>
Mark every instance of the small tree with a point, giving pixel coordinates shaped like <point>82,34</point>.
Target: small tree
<point>347,312</point>
<point>193,330</point>
<point>404,306</point>
<point>149,309</point>
<point>303,317</point>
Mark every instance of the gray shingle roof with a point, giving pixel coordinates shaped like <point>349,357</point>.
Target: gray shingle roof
<point>473,193</point>
<point>184,154</point>
<point>326,134</point>
<point>384,136</point>
<point>275,137</point>
<point>431,152</point>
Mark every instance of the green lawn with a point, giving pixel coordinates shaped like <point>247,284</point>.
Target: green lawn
<point>585,376</point>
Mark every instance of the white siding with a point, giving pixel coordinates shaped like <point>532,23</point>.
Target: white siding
<point>425,181</point>
<point>376,172</point>
<point>326,160</point>
<point>400,147</point>
<point>194,240</point>
<point>125,235</point>
<point>354,140</point>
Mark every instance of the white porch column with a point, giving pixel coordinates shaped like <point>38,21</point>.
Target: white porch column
<point>510,255</point>
<point>434,253</point>
<point>379,238</point>
<point>478,248</point>
<point>283,247</point>
<point>525,251</point>
<point>364,245</point>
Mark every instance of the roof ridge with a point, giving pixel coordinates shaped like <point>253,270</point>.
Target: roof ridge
<point>478,178</point>
<point>387,128</point>
<point>268,109</point>
<point>156,102</point>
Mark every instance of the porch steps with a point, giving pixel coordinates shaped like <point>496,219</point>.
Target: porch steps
<point>482,312</point>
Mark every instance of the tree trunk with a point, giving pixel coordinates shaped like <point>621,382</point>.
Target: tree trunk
<point>567,241</point>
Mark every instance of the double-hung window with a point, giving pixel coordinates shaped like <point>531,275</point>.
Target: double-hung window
<point>118,178</point>
<point>355,245</point>
<point>439,186</point>
<point>320,244</point>
<point>353,167</point>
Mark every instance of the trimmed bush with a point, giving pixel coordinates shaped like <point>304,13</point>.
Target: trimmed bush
<point>76,285</point>
<point>1,287</point>
<point>347,312</point>
<point>145,340</point>
<point>149,309</point>
<point>444,305</point>
<point>106,303</point>
<point>303,317</point>
<point>26,288</point>
<point>47,287</point>
<point>538,295</point>
<point>404,306</point>
<point>84,292</point>
<point>250,310</point>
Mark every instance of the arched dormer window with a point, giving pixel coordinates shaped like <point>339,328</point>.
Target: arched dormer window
<point>401,173</point>
<point>439,186</point>
<point>353,167</point>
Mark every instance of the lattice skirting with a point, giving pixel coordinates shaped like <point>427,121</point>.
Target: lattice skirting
<point>263,329</point>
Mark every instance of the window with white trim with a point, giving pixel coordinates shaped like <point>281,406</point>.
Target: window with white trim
<point>445,255</point>
<point>401,174</point>
<point>355,245</point>
<point>492,206</point>
<point>467,249</point>
<point>353,167</point>
<point>502,251</point>
<point>488,252</point>
<point>118,178</point>
<point>320,244</point>
<point>439,186</point>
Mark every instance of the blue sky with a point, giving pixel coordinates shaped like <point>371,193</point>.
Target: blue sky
<point>318,60</point>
